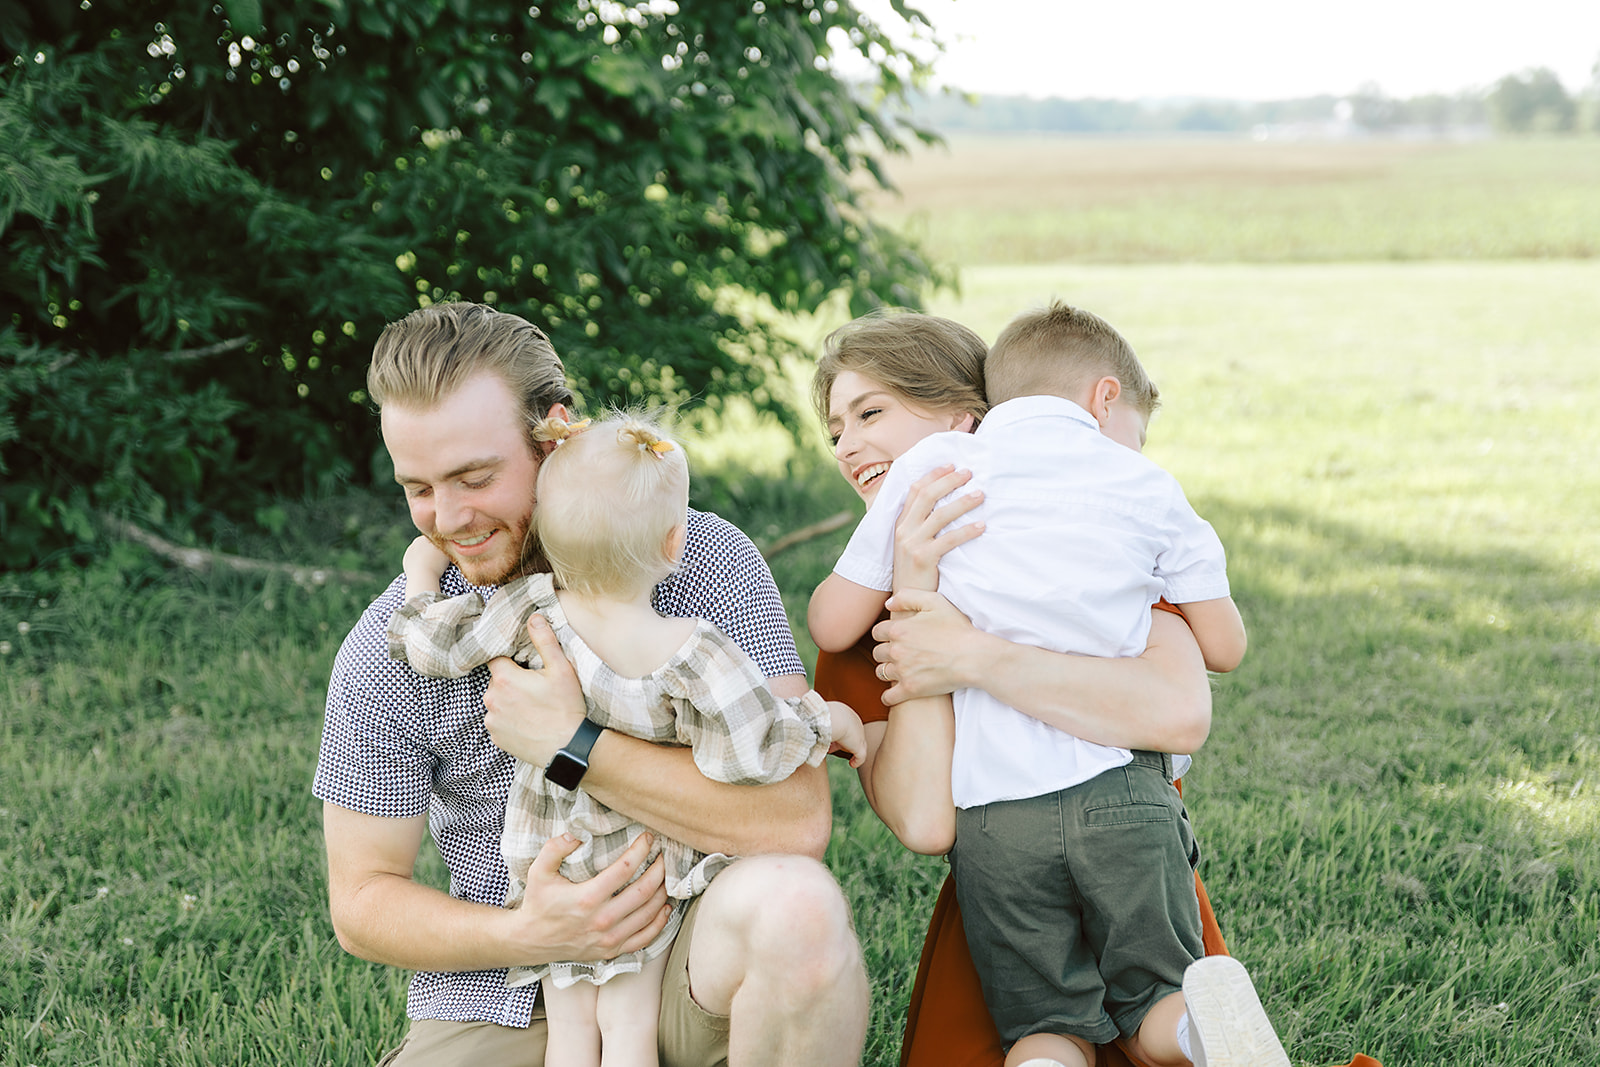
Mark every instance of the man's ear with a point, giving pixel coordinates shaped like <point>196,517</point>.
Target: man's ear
<point>672,547</point>
<point>557,411</point>
<point>1105,393</point>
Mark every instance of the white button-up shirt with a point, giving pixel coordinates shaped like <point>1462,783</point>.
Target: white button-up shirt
<point>1082,537</point>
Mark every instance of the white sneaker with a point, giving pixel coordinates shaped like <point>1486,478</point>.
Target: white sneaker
<point>1228,1026</point>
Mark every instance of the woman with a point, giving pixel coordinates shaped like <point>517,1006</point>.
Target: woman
<point>882,384</point>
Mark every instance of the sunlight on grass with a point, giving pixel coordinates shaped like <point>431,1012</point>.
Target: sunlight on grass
<point>1573,810</point>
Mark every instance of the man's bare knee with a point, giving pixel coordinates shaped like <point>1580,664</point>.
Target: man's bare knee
<point>779,920</point>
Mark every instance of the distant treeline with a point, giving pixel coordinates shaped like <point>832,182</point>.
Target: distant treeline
<point>1534,101</point>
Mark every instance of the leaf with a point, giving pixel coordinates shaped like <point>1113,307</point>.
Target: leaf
<point>245,15</point>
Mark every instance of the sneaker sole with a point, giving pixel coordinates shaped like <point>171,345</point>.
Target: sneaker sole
<point>1227,1016</point>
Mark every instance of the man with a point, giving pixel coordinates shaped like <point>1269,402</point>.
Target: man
<point>766,969</point>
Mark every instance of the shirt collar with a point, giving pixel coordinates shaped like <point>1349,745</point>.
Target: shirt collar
<point>1036,407</point>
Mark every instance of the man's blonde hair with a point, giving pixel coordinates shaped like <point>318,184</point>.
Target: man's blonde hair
<point>609,496</point>
<point>1060,350</point>
<point>935,363</point>
<point>429,354</point>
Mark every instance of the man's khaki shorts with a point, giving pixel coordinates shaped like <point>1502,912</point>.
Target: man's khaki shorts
<point>689,1035</point>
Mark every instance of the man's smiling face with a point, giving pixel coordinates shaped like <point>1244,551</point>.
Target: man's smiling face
<point>468,472</point>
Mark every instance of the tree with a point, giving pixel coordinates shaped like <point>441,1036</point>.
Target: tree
<point>208,212</point>
<point>1534,101</point>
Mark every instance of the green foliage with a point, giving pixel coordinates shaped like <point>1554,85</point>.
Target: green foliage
<point>208,212</point>
<point>1533,101</point>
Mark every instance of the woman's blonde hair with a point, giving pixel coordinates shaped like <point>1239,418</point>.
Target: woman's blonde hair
<point>935,363</point>
<point>609,497</point>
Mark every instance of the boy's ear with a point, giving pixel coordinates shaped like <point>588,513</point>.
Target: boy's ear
<point>1106,391</point>
<point>963,422</point>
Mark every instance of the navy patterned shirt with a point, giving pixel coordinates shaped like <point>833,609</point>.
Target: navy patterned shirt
<point>396,744</point>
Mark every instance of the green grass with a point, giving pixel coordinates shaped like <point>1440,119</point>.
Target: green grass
<point>1398,804</point>
<point>1400,799</point>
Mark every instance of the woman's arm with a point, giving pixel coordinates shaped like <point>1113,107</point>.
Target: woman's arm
<point>841,612</point>
<point>1160,700</point>
<point>906,774</point>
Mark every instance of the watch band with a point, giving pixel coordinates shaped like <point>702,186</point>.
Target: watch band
<point>569,764</point>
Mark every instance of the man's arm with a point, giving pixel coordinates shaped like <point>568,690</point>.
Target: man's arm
<point>532,713</point>
<point>1160,700</point>
<point>380,914</point>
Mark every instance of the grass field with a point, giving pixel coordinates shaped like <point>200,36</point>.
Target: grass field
<point>1399,803</point>
<point>1011,200</point>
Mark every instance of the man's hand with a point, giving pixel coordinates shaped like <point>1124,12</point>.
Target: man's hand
<point>918,543</point>
<point>380,914</point>
<point>922,649</point>
<point>603,917</point>
<point>532,713</point>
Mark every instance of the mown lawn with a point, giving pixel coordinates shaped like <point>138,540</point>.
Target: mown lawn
<point>1399,803</point>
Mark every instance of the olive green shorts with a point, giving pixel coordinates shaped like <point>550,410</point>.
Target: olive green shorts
<point>1079,906</point>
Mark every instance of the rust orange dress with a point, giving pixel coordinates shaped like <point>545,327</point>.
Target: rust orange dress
<point>947,1024</point>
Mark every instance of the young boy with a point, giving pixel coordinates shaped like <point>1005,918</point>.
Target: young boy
<point>1081,537</point>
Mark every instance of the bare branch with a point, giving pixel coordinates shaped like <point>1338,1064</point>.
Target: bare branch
<point>187,355</point>
<point>807,533</point>
<point>201,559</point>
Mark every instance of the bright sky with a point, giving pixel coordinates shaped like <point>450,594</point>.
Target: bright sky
<point>1253,49</point>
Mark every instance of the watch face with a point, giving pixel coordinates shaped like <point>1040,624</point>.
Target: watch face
<point>565,770</point>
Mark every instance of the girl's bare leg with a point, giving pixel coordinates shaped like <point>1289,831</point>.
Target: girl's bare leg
<point>574,1039</point>
<point>628,1011</point>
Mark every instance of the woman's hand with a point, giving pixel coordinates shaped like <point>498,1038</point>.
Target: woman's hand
<point>918,544</point>
<point>922,649</point>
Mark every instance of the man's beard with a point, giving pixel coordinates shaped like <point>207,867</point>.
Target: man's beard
<point>529,559</point>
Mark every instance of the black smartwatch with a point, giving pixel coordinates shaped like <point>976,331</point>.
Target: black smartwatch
<point>567,767</point>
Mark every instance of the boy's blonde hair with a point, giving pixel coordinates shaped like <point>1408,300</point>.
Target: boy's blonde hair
<point>608,497</point>
<point>1061,350</point>
<point>935,363</point>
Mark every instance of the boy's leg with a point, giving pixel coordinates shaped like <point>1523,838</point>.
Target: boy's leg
<point>628,1010</point>
<point>766,970</point>
<point>1130,847</point>
<point>1022,916</point>
<point>1051,1050</point>
<point>1157,1039</point>
<point>574,1030</point>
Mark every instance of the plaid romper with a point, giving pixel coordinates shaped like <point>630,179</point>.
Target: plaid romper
<point>709,696</point>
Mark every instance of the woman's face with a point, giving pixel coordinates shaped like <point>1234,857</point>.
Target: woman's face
<point>872,425</point>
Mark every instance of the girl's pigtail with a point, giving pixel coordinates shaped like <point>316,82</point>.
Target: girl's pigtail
<point>557,429</point>
<point>644,438</point>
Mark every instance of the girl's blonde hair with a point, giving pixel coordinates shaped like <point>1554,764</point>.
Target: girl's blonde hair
<point>935,363</point>
<point>609,497</point>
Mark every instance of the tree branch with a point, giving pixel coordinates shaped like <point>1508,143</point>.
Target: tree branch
<point>202,559</point>
<point>807,533</point>
<point>186,355</point>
